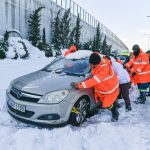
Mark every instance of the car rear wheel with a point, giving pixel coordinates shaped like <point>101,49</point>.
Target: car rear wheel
<point>79,112</point>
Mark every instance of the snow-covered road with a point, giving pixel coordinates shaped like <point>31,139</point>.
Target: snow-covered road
<point>131,132</point>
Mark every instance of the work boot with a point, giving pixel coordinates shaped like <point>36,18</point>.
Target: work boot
<point>96,109</point>
<point>128,107</point>
<point>141,99</point>
<point>115,114</point>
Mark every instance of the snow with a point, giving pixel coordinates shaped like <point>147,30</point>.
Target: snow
<point>131,132</point>
<point>79,54</point>
<point>11,69</point>
<point>16,46</point>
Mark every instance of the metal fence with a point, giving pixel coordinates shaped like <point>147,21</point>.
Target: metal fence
<point>89,19</point>
<point>15,14</point>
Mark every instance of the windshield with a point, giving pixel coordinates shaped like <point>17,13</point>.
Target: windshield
<point>70,66</point>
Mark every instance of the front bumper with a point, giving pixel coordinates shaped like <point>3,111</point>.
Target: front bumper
<point>35,113</point>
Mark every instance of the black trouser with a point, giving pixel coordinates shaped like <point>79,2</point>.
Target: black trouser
<point>124,91</point>
<point>143,88</point>
<point>114,111</point>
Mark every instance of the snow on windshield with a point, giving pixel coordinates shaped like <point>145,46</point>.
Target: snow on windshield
<point>79,54</point>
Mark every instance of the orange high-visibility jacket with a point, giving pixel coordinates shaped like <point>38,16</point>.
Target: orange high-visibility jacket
<point>105,83</point>
<point>71,50</point>
<point>107,61</point>
<point>141,66</point>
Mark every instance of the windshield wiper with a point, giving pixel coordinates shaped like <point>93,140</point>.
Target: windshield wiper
<point>59,70</point>
<point>74,74</point>
<point>46,70</point>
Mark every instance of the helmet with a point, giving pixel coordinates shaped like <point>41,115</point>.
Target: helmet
<point>136,50</point>
<point>135,47</point>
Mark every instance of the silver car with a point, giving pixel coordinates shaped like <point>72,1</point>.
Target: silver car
<point>45,97</point>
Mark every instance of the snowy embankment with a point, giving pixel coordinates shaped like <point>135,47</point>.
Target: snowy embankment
<point>131,132</point>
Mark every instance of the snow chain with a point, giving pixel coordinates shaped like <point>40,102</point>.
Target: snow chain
<point>74,110</point>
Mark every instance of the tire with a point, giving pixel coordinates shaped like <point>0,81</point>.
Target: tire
<point>79,112</point>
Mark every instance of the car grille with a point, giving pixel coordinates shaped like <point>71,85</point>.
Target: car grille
<point>26,114</point>
<point>22,96</point>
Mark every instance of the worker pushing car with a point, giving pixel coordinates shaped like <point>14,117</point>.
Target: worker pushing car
<point>105,83</point>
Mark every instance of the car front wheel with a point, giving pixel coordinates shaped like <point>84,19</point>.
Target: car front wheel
<point>79,112</point>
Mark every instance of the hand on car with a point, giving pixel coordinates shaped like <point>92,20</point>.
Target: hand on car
<point>74,85</point>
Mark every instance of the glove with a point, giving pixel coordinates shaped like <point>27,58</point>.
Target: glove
<point>74,85</point>
<point>133,74</point>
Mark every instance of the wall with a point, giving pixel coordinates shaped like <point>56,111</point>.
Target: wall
<point>15,14</point>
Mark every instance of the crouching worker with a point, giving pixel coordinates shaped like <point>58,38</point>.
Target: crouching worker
<point>105,84</point>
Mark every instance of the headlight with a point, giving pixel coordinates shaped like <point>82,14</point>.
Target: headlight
<point>54,97</point>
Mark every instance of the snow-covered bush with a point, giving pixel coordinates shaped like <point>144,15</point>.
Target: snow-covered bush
<point>22,49</point>
<point>25,49</point>
<point>4,45</point>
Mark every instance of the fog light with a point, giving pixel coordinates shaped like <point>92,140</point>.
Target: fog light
<point>49,117</point>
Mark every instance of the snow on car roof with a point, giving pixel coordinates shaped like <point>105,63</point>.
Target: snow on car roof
<point>79,54</point>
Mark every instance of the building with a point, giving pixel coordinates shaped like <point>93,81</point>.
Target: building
<point>15,14</point>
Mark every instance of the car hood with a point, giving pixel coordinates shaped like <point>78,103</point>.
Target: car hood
<point>42,82</point>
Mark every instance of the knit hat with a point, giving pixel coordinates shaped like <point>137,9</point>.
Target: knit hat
<point>94,59</point>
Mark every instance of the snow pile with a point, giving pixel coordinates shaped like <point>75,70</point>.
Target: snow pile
<point>16,47</point>
<point>83,54</point>
<point>79,54</point>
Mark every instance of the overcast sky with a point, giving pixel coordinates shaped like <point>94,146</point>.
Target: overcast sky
<point>126,18</point>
